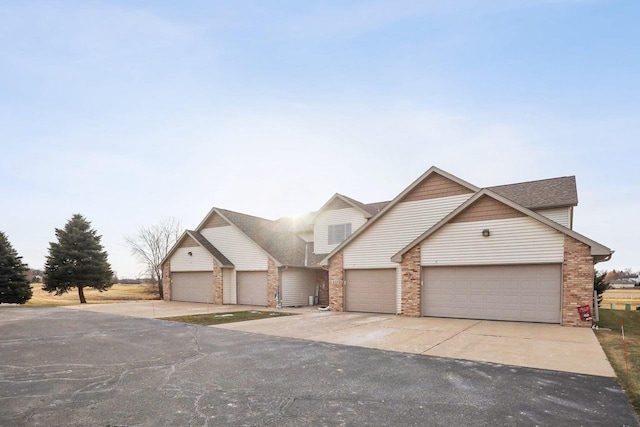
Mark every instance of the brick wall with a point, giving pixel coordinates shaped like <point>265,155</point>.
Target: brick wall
<point>577,281</point>
<point>273,283</point>
<point>322,282</point>
<point>336,282</point>
<point>217,284</point>
<point>166,281</point>
<point>411,283</point>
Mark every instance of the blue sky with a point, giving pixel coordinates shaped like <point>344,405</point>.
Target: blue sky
<point>128,112</point>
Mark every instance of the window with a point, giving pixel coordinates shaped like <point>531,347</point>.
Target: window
<point>338,233</point>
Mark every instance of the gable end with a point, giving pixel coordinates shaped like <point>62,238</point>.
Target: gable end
<point>215,221</point>
<point>435,186</point>
<point>337,203</point>
<point>188,243</point>
<point>486,208</point>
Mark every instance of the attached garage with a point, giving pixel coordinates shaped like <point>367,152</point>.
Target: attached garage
<point>371,291</point>
<point>252,287</point>
<point>192,286</point>
<point>526,293</point>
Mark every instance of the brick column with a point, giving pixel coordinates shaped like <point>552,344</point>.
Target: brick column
<point>411,289</point>
<point>322,282</point>
<point>577,281</point>
<point>336,282</point>
<point>217,284</point>
<point>273,283</point>
<point>166,281</point>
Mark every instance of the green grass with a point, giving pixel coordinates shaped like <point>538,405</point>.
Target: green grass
<point>220,318</point>
<point>611,342</point>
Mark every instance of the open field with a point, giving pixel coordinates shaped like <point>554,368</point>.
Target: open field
<point>620,297</point>
<point>117,293</point>
<point>611,342</point>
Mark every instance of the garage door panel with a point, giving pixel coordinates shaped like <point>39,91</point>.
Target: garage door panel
<point>192,286</point>
<point>530,293</point>
<point>252,287</point>
<point>372,291</point>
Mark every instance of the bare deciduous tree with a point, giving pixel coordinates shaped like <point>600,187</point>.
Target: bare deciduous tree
<point>152,244</point>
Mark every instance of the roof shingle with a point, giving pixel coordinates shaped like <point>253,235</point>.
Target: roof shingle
<point>277,238</point>
<point>209,247</point>
<point>544,193</point>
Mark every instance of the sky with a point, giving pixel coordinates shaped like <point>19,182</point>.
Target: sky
<point>129,112</point>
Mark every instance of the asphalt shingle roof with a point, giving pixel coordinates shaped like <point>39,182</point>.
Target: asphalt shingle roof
<point>277,238</point>
<point>545,193</point>
<point>209,247</point>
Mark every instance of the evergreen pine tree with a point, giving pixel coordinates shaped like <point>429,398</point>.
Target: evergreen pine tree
<point>77,260</point>
<point>14,285</point>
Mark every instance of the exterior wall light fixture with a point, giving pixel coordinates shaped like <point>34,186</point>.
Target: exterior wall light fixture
<point>191,253</point>
<point>486,232</point>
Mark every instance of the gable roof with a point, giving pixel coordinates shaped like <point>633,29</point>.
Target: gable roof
<point>543,193</point>
<point>277,238</point>
<point>217,255</point>
<point>204,243</point>
<point>374,208</point>
<point>385,208</point>
<point>597,249</point>
<point>348,200</point>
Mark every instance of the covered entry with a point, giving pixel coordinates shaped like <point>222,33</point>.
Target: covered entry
<point>372,291</point>
<point>192,286</point>
<point>527,293</point>
<point>252,287</point>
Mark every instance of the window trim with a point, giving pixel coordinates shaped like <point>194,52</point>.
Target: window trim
<point>332,233</point>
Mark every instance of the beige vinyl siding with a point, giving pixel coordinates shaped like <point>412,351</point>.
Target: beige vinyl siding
<point>332,217</point>
<point>560,215</point>
<point>511,241</point>
<point>403,223</point>
<point>229,294</point>
<point>237,247</point>
<point>296,286</point>
<point>200,260</point>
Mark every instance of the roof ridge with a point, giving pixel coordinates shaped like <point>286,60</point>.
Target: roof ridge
<point>531,181</point>
<point>244,214</point>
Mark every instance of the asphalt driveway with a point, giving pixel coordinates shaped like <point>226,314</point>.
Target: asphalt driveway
<point>73,367</point>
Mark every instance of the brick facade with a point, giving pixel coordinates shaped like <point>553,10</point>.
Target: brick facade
<point>336,282</point>
<point>273,283</point>
<point>411,283</point>
<point>322,282</point>
<point>577,281</point>
<point>166,281</point>
<point>217,284</point>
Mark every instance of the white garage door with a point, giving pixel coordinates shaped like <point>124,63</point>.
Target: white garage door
<point>252,287</point>
<point>192,286</point>
<point>371,291</point>
<point>527,293</point>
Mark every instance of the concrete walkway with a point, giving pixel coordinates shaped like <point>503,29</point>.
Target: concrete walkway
<point>532,345</point>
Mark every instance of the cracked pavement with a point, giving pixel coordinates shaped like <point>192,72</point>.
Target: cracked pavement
<point>75,368</point>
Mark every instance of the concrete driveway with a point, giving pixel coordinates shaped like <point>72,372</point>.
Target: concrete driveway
<point>531,345</point>
<point>62,367</point>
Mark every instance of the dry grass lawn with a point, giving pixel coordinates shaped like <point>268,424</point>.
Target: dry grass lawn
<point>611,342</point>
<point>620,297</point>
<point>117,293</point>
